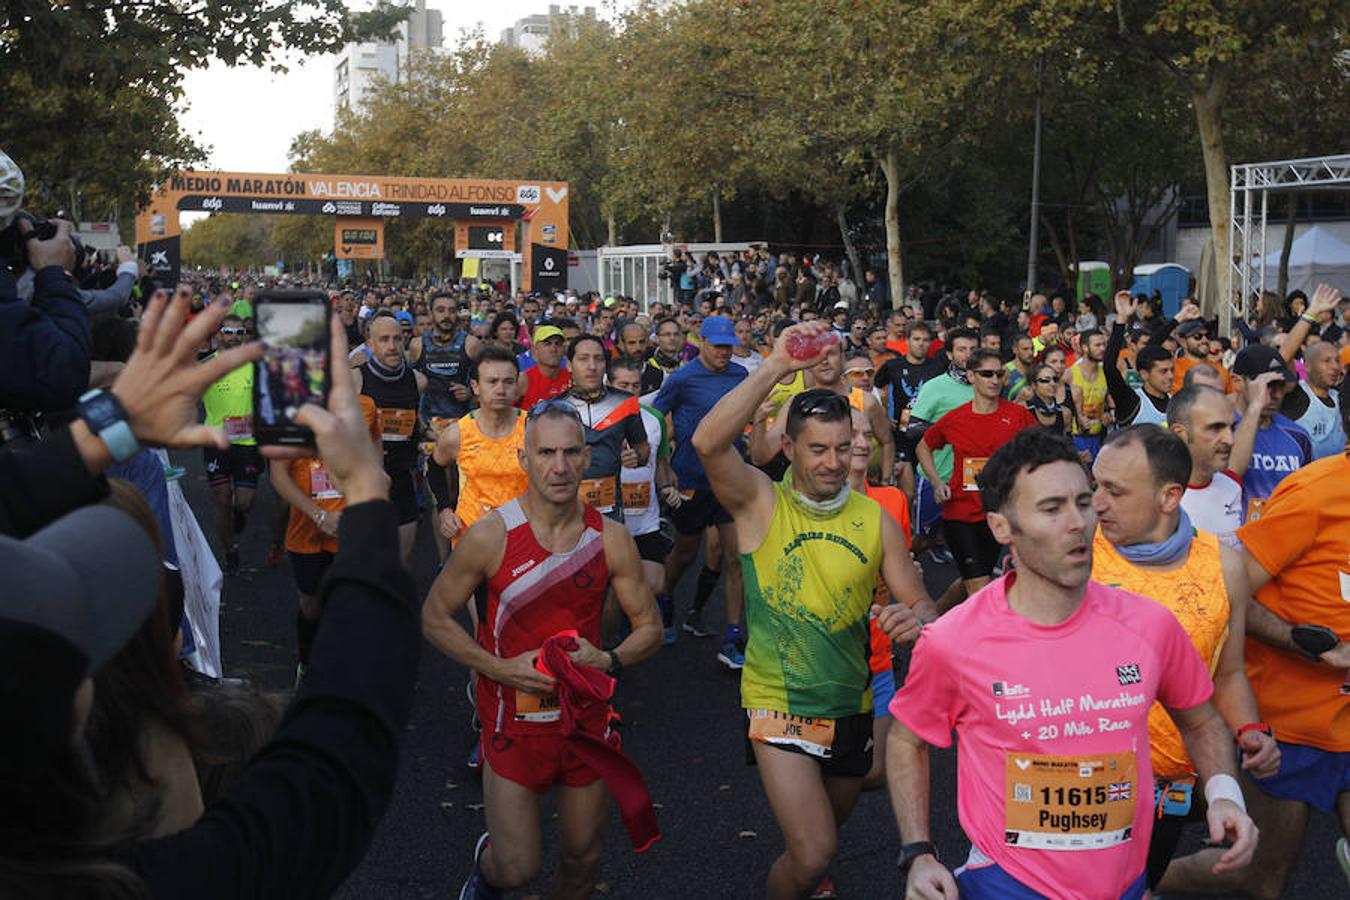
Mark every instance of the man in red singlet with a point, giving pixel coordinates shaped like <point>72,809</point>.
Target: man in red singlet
<point>547,561</point>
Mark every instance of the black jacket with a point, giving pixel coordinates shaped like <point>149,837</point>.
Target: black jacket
<point>301,815</point>
<point>45,344</point>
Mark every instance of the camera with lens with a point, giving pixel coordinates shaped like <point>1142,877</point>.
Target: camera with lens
<point>14,243</point>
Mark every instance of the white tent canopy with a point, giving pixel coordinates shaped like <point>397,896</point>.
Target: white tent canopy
<point>1317,256</point>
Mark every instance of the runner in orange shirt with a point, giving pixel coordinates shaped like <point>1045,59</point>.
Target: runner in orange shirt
<point>311,534</point>
<point>1297,558</point>
<point>484,446</point>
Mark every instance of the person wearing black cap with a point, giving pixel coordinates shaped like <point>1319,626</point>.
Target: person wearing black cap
<point>1193,335</point>
<point>1281,446</point>
<point>301,814</point>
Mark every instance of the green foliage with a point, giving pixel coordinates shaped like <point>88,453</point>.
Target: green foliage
<point>91,89</point>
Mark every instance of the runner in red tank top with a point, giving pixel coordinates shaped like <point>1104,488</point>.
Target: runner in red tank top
<point>547,561</point>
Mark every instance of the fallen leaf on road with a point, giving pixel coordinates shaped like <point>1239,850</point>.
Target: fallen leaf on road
<point>446,804</point>
<point>724,787</point>
<point>746,834</point>
<point>476,807</point>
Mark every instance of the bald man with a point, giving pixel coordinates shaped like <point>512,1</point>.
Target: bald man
<point>1315,404</point>
<point>633,341</point>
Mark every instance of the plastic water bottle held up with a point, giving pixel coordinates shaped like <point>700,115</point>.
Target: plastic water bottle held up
<point>801,346</point>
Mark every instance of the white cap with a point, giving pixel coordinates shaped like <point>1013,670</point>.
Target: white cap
<point>11,189</point>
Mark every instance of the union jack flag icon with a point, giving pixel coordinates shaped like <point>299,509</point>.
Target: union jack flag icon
<point>1118,790</point>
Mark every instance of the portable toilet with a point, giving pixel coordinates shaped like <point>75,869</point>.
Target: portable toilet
<point>1094,277</point>
<point>1170,280</point>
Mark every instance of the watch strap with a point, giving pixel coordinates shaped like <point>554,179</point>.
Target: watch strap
<point>911,852</point>
<point>114,432</point>
<point>1256,726</point>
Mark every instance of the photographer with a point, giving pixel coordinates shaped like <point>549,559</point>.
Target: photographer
<point>45,343</point>
<point>302,812</point>
<point>116,295</point>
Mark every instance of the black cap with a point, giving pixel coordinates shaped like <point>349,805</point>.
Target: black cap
<point>1259,359</point>
<point>1191,326</point>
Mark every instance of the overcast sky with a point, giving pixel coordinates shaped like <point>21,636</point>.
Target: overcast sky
<point>246,117</point>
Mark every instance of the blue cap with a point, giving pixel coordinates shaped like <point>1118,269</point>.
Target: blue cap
<point>405,317</point>
<point>718,331</point>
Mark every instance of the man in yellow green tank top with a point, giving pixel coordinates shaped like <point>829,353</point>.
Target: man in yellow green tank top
<point>1145,543</point>
<point>233,473</point>
<point>811,550</point>
<point>1088,382</point>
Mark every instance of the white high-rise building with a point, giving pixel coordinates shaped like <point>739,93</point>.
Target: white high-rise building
<point>531,33</point>
<point>359,66</point>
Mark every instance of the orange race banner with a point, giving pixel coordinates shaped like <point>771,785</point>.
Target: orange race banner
<point>540,208</point>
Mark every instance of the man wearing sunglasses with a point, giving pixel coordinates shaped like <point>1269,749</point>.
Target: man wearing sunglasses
<point>974,431</point>
<point>1193,335</point>
<point>811,550</point>
<point>232,473</point>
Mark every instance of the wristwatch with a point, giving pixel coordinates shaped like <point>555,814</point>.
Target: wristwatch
<point>103,413</point>
<point>615,664</point>
<point>911,852</point>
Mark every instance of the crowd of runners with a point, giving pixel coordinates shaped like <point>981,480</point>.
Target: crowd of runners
<point>579,454</point>
<point>1149,523</point>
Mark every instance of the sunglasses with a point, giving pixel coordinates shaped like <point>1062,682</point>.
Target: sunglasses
<point>820,402</point>
<point>553,405</point>
<point>1045,381</point>
<point>234,331</point>
<point>989,373</point>
<point>859,373</point>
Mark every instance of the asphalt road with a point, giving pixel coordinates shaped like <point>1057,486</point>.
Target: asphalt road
<point>682,724</point>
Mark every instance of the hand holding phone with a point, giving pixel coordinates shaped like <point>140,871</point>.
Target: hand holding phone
<point>293,328</point>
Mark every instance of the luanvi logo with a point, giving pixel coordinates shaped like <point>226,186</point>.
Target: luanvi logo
<point>1128,674</point>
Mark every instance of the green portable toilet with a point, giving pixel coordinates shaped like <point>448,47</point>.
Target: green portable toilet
<point>1094,277</point>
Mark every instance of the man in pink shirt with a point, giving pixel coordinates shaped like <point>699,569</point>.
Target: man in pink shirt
<point>1047,678</point>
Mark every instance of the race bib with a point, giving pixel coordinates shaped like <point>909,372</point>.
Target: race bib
<point>397,424</point>
<point>537,708</point>
<point>1093,410</point>
<point>1254,507</point>
<point>238,428</point>
<point>1069,802</point>
<point>637,494</point>
<point>815,736</point>
<point>971,468</point>
<point>321,487</point>
<point>599,492</point>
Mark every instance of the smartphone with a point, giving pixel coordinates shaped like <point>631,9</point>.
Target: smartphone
<point>293,327</point>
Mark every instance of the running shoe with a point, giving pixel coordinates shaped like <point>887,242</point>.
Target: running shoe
<point>1343,856</point>
<point>941,555</point>
<point>477,887</point>
<point>474,762</point>
<point>824,890</point>
<point>299,674</point>
<point>693,624</point>
<point>731,656</point>
<point>232,561</point>
<point>173,473</point>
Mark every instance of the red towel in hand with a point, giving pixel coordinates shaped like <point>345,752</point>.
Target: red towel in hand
<point>583,696</point>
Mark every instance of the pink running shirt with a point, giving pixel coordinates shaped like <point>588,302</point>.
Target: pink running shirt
<point>1053,773</point>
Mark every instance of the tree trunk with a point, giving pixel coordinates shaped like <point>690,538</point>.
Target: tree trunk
<point>717,215</point>
<point>890,167</point>
<point>613,230</point>
<point>1290,220</point>
<point>1209,104</point>
<point>850,248</point>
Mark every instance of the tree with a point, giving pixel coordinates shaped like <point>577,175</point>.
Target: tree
<point>91,89</point>
<point>1204,46</point>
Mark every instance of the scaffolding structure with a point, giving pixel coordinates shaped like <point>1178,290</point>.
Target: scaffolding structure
<point>1247,228</point>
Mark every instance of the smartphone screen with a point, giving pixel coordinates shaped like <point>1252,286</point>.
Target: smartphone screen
<point>293,329</point>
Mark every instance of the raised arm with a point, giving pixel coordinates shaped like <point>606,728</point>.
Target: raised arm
<point>1324,299</point>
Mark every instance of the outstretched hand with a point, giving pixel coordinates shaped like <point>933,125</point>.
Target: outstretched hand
<point>162,381</point>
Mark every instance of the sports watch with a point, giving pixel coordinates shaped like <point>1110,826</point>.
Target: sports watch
<point>911,852</point>
<point>103,413</point>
